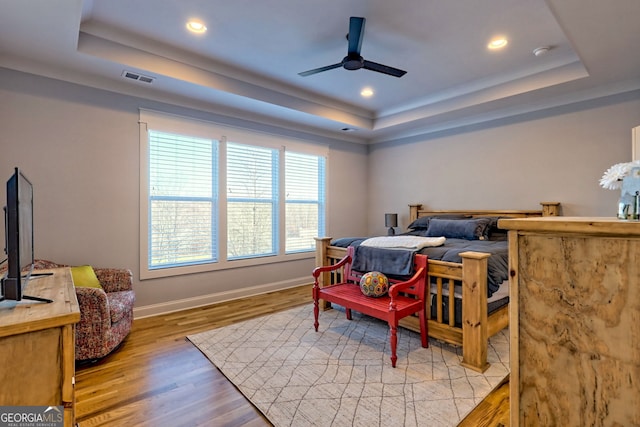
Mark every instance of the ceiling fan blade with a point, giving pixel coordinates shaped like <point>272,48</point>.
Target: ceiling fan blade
<point>319,70</point>
<point>385,69</point>
<point>356,31</point>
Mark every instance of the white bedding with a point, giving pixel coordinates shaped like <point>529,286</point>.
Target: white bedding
<point>403,242</point>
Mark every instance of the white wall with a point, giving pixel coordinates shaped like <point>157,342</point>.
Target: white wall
<point>555,155</point>
<point>80,148</point>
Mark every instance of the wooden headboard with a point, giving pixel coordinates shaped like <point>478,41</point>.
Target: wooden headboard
<point>548,209</point>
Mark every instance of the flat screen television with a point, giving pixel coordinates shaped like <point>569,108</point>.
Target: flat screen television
<point>18,216</point>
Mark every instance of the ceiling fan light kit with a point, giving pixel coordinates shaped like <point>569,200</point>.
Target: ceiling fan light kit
<point>354,61</point>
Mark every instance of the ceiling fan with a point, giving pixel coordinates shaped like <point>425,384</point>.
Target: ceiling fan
<point>353,60</point>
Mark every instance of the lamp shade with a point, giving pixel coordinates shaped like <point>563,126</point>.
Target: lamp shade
<point>391,220</point>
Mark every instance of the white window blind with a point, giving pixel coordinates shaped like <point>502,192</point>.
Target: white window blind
<point>304,190</point>
<point>182,202</point>
<point>252,201</point>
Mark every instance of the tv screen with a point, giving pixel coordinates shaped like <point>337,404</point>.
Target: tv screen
<point>18,235</point>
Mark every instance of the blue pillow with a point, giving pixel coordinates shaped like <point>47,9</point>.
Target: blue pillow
<point>422,223</point>
<point>469,229</point>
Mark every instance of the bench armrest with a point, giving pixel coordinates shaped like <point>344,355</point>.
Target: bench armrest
<point>325,268</point>
<point>414,286</point>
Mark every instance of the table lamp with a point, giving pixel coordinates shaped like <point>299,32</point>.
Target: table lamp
<point>390,221</point>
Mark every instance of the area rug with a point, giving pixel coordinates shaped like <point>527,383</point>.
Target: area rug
<point>342,374</point>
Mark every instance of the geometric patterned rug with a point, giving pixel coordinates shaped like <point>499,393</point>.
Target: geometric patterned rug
<point>342,374</point>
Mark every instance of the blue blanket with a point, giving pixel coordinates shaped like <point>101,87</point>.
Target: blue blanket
<point>497,264</point>
<point>393,262</point>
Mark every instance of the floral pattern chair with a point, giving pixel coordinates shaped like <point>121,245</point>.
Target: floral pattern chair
<point>106,315</point>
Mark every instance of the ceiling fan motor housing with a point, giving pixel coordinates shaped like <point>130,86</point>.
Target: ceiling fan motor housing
<point>353,62</point>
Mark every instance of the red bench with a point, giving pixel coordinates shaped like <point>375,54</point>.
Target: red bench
<point>404,298</point>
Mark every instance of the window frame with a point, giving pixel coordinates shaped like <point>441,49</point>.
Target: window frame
<point>164,122</point>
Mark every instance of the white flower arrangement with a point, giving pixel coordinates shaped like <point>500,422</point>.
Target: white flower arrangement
<point>612,178</point>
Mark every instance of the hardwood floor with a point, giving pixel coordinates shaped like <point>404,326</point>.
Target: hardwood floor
<point>493,411</point>
<point>158,378</point>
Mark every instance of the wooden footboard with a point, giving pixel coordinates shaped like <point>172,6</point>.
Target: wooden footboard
<point>471,274</point>
<point>477,325</point>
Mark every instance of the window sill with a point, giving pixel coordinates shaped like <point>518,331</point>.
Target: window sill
<point>146,274</point>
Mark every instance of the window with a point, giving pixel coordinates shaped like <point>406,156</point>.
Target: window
<point>304,193</point>
<point>252,201</point>
<point>182,202</point>
<point>213,197</point>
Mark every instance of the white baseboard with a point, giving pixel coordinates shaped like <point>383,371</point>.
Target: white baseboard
<point>187,303</point>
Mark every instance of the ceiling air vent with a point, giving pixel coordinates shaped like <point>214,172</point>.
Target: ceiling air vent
<point>139,77</point>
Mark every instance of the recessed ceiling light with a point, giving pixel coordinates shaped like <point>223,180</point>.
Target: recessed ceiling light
<point>541,50</point>
<point>366,92</point>
<point>497,43</point>
<point>196,26</point>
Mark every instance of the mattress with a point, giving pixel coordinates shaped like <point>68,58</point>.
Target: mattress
<point>499,299</point>
<point>497,263</point>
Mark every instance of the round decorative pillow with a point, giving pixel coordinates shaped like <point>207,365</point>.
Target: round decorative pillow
<point>374,284</point>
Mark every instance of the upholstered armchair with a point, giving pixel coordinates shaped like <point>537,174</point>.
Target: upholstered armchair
<point>106,311</point>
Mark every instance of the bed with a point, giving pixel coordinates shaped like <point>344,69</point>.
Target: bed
<point>478,275</point>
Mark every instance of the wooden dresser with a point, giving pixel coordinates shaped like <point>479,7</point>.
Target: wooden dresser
<point>37,346</point>
<point>574,321</point>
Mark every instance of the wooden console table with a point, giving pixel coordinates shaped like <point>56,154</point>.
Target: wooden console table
<point>574,321</point>
<point>37,345</point>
